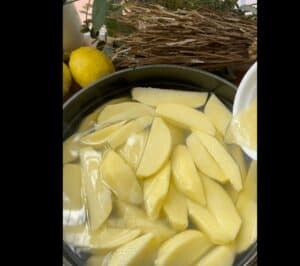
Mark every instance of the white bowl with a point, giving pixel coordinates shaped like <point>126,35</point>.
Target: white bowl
<point>246,92</point>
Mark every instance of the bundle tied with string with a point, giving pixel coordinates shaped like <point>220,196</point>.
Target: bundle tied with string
<point>204,38</point>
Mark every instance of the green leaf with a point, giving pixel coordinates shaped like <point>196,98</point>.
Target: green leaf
<point>99,13</point>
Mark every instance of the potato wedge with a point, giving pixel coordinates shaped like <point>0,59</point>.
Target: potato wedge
<point>186,117</point>
<point>98,196</point>
<point>183,249</point>
<point>71,147</point>
<point>177,134</point>
<point>72,187</point>
<point>133,149</point>
<point>124,111</point>
<point>223,158</point>
<point>218,113</point>
<point>238,156</point>
<point>91,118</point>
<point>100,136</point>
<point>247,208</point>
<point>136,218</point>
<point>218,256</point>
<point>185,175</point>
<point>140,251</point>
<point>203,219</point>
<point>73,205</point>
<point>107,239</point>
<point>77,236</point>
<point>175,208</point>
<point>157,149</point>
<point>121,136</point>
<point>120,178</point>
<point>203,160</point>
<point>155,96</point>
<point>221,206</point>
<point>155,191</point>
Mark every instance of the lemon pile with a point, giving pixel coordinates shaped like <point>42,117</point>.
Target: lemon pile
<point>86,65</point>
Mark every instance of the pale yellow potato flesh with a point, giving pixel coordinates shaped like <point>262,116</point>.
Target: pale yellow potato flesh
<point>71,147</point>
<point>120,178</point>
<point>157,150</point>
<point>247,207</point>
<point>91,119</point>
<point>140,251</point>
<point>175,208</point>
<point>97,195</point>
<point>73,205</point>
<point>155,190</point>
<point>98,260</point>
<point>124,111</point>
<point>136,218</point>
<point>107,239</point>
<point>203,160</point>
<point>225,161</point>
<point>186,117</point>
<point>177,134</point>
<point>72,186</point>
<point>119,137</point>
<point>221,206</point>
<point>78,236</point>
<point>218,114</point>
<point>100,136</point>
<point>133,149</point>
<point>155,96</point>
<point>218,256</point>
<point>238,156</point>
<point>203,219</point>
<point>183,249</point>
<point>185,175</point>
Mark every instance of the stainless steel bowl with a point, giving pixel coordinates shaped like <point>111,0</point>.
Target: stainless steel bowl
<point>119,84</point>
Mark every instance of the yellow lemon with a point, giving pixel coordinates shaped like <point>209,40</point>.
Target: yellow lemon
<point>67,79</point>
<point>87,64</point>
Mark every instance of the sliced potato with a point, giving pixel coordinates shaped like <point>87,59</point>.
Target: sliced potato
<point>203,219</point>
<point>203,160</point>
<point>98,196</point>
<point>155,96</point>
<point>218,256</point>
<point>71,147</point>
<point>107,239</point>
<point>218,113</point>
<point>155,191</point>
<point>223,158</point>
<point>175,208</point>
<point>185,175</point>
<point>157,149</point>
<point>91,118</point>
<point>186,117</point>
<point>72,186</point>
<point>221,206</point>
<point>73,207</point>
<point>120,178</point>
<point>137,252</point>
<point>121,136</point>
<point>124,111</point>
<point>247,207</point>
<point>183,249</point>
<point>98,260</point>
<point>177,134</point>
<point>136,218</point>
<point>100,136</point>
<point>133,149</point>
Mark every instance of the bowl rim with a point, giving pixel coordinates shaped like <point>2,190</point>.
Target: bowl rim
<point>248,260</point>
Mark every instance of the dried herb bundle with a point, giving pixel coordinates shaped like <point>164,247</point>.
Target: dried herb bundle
<point>206,38</point>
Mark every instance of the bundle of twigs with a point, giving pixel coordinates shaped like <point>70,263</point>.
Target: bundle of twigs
<point>205,38</point>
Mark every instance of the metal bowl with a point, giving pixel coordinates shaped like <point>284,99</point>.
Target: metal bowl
<point>119,84</point>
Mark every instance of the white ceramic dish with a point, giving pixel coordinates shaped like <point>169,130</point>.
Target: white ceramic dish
<point>246,92</point>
